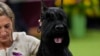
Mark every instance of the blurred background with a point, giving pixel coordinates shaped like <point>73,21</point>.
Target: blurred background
<point>83,22</point>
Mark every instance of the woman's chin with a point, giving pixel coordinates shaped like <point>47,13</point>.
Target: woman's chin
<point>4,40</point>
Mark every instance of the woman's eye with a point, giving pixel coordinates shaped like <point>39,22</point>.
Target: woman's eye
<point>7,26</point>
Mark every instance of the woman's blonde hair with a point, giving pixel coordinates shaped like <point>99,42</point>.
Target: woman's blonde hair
<point>7,11</point>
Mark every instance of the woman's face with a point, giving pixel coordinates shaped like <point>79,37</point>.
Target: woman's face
<point>6,29</point>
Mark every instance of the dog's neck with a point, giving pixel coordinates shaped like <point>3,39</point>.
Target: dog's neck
<point>53,51</point>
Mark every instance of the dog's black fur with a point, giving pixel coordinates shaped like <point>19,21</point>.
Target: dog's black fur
<point>54,26</point>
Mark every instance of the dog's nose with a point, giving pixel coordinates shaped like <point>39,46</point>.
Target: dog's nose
<point>59,27</point>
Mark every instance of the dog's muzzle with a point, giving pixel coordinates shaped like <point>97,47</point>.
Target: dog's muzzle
<point>59,31</point>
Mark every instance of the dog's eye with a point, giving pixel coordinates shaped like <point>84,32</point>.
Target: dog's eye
<point>47,16</point>
<point>50,16</point>
<point>60,17</point>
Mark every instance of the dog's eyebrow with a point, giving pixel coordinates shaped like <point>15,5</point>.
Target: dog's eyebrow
<point>54,15</point>
<point>50,13</point>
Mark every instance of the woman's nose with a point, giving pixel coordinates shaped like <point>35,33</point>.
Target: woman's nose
<point>2,32</point>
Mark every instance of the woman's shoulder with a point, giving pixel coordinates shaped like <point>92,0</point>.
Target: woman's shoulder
<point>17,35</point>
<point>23,36</point>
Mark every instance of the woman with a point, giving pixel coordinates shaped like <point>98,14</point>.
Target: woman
<point>14,43</point>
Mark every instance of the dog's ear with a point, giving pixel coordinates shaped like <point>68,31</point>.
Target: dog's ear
<point>61,5</point>
<point>43,9</point>
<point>43,6</point>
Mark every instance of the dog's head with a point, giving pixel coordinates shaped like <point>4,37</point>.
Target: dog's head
<point>54,27</point>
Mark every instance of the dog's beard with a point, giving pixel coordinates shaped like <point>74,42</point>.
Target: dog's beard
<point>59,38</point>
<point>54,37</point>
<point>50,34</point>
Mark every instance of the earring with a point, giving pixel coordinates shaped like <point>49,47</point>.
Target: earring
<point>39,29</point>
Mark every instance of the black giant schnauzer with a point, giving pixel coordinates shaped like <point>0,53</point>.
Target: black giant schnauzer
<point>54,33</point>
